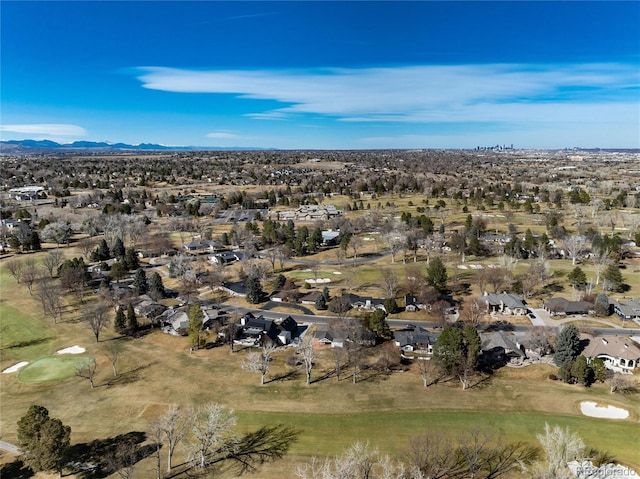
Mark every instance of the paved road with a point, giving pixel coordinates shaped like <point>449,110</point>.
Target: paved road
<point>399,323</point>
<point>9,448</point>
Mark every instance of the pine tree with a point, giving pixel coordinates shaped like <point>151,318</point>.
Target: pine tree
<point>196,318</point>
<point>140,283</point>
<point>254,289</point>
<point>437,274</point>
<point>131,259</point>
<point>132,319</point>
<point>44,439</point>
<point>568,346</point>
<point>35,241</point>
<point>102,252</point>
<point>156,288</point>
<point>577,278</point>
<point>581,371</point>
<point>118,249</point>
<point>321,303</point>
<point>120,323</point>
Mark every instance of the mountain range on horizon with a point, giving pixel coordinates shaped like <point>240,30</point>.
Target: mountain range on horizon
<point>103,145</point>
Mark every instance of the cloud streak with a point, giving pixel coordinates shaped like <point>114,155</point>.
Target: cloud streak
<point>480,93</point>
<point>46,129</point>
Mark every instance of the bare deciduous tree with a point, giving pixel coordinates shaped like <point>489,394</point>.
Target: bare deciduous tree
<point>88,371</point>
<point>15,267</point>
<point>559,446</point>
<point>259,361</point>
<point>50,295</point>
<point>174,426</point>
<point>29,274</point>
<point>211,433</point>
<point>390,283</point>
<point>96,316</point>
<point>305,349</point>
<point>574,245</point>
<point>622,384</point>
<point>112,352</point>
<point>52,261</point>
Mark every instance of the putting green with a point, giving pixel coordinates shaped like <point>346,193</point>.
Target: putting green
<point>52,368</point>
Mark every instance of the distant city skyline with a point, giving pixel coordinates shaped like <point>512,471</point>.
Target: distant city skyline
<point>322,75</point>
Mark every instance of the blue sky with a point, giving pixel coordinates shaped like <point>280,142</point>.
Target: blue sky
<point>323,75</point>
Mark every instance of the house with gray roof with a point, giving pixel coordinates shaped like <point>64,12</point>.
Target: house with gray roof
<point>503,303</point>
<point>562,306</point>
<point>627,309</point>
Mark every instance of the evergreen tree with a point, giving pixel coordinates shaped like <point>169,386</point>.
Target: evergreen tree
<point>581,371</point>
<point>568,346</point>
<point>391,305</point>
<point>35,241</point>
<point>599,370</point>
<point>378,323</point>
<point>321,303</point>
<point>120,323</point>
<point>140,283</point>
<point>325,294</point>
<point>447,350</point>
<point>44,440</point>
<point>612,278</point>
<point>118,249</point>
<point>132,319</point>
<point>472,347</point>
<point>102,252</point>
<point>196,318</point>
<point>255,294</point>
<point>131,259</point>
<point>577,278</point>
<point>437,274</point>
<point>156,288</point>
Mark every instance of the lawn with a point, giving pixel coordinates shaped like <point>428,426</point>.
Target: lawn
<point>384,409</point>
<point>52,368</point>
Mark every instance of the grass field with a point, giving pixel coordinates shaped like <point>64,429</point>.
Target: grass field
<point>52,368</point>
<point>383,409</point>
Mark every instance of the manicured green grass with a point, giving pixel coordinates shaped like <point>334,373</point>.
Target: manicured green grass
<point>52,368</point>
<point>391,432</point>
<point>20,332</point>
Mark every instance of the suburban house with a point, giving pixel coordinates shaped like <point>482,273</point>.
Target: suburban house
<point>413,304</point>
<point>499,348</point>
<point>416,340</point>
<point>562,306</point>
<point>148,308</point>
<point>175,322</point>
<point>503,303</point>
<point>618,353</point>
<point>311,298</point>
<point>226,257</point>
<point>204,246</point>
<point>330,237</point>
<point>256,330</point>
<point>325,336</point>
<point>364,302</point>
<point>234,288</point>
<point>627,309</point>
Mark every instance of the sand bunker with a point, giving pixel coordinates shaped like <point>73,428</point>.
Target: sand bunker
<point>318,281</point>
<point>15,367</point>
<point>72,350</point>
<point>591,409</point>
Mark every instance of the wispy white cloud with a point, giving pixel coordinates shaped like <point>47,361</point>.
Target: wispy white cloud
<point>498,92</point>
<point>46,129</point>
<point>223,134</point>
